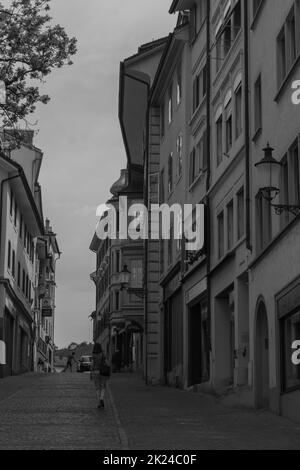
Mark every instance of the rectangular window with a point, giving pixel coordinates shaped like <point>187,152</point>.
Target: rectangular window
<point>21,227</point>
<point>19,274</point>
<point>240,214</point>
<point>237,19</point>
<point>295,175</point>
<point>227,38</point>
<point>281,56</point>
<point>24,281</point>
<point>118,261</point>
<point>221,235</point>
<point>170,173</point>
<point>179,84</point>
<point>162,120</point>
<point>219,58</point>
<point>11,210</point>
<point>170,105</point>
<point>256,6</point>
<point>205,156</point>
<point>162,263</point>
<point>196,93</point>
<point>230,226</point>
<point>13,268</point>
<point>291,28</point>
<point>192,166</point>
<point>136,278</point>
<point>257,105</point>
<point>117,300</point>
<point>238,112</point>
<point>204,80</point>
<point>219,135</point>
<point>162,187</point>
<point>193,22</point>
<point>290,328</point>
<point>170,245</point>
<point>228,127</point>
<point>26,286</point>
<point>179,156</point>
<point>284,190</point>
<point>290,181</point>
<point>25,236</point>
<point>264,222</point>
<point>16,213</point>
<point>9,255</point>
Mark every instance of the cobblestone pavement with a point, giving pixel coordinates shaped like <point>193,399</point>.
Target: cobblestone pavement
<point>58,411</point>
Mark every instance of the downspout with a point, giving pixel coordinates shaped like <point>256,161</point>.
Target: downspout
<point>247,129</point>
<point>146,202</point>
<point>208,176</point>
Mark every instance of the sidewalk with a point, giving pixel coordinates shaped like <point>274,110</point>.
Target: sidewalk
<point>165,418</point>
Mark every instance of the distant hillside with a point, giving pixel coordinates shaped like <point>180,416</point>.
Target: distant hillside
<point>61,355</point>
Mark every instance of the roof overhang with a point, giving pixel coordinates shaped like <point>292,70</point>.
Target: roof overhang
<point>95,243</point>
<point>167,64</point>
<point>180,5</point>
<point>136,77</point>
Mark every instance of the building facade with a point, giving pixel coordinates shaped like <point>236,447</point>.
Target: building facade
<point>21,227</point>
<point>210,101</point>
<point>119,319</point>
<point>48,253</point>
<point>274,266</point>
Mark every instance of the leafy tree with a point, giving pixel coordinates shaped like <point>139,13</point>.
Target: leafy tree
<point>30,48</point>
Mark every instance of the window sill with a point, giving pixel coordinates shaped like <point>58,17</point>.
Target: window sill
<point>178,180</point>
<point>286,79</point>
<point>197,110</point>
<point>196,181</point>
<point>257,133</point>
<point>227,58</point>
<point>266,250</point>
<point>257,15</point>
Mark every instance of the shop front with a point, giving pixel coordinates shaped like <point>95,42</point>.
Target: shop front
<point>288,312</point>
<point>17,336</point>
<point>198,337</point>
<point>173,332</point>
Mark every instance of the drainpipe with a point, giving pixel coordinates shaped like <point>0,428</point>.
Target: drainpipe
<point>247,128</point>
<point>146,202</point>
<point>208,176</point>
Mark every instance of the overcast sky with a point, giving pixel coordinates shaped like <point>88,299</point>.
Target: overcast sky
<point>80,136</point>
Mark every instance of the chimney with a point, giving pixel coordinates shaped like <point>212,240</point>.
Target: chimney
<point>48,226</point>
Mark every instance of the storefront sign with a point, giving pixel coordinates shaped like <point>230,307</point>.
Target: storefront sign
<point>47,312</point>
<point>196,291</point>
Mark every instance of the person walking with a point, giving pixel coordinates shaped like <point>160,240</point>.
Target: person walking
<point>71,360</point>
<point>101,373</point>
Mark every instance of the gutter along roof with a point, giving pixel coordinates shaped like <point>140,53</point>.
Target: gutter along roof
<point>173,44</point>
<point>22,190</point>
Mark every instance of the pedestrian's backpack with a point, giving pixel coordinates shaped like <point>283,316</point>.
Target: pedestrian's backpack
<point>104,369</point>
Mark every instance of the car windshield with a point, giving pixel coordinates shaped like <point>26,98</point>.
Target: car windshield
<point>86,359</point>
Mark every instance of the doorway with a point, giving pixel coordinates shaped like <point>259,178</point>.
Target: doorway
<point>262,390</point>
<point>195,345</point>
<point>9,342</point>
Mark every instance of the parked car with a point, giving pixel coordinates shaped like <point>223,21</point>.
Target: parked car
<point>84,364</point>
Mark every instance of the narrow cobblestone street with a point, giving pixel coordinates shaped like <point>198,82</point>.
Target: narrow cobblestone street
<point>59,412</point>
<point>56,411</point>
